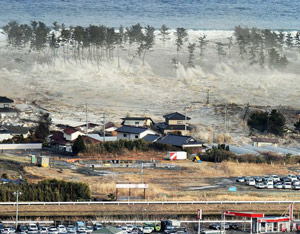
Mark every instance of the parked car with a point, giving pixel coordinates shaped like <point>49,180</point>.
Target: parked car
<point>234,226</point>
<point>22,229</point>
<point>129,227</point>
<point>287,185</point>
<point>98,226</point>
<point>296,186</point>
<point>278,186</point>
<point>214,226</point>
<point>251,182</point>
<point>89,229</point>
<point>61,229</point>
<point>292,177</point>
<point>32,227</point>
<point>269,185</point>
<point>240,179</point>
<point>275,178</point>
<point>260,186</point>
<point>11,229</point>
<point>258,179</point>
<point>147,230</point>
<point>71,228</point>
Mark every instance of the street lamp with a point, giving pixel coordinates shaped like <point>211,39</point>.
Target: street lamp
<point>17,194</point>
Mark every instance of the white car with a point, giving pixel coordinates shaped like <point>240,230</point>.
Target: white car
<point>33,227</point>
<point>52,230</point>
<point>278,186</point>
<point>296,186</point>
<point>61,228</point>
<point>275,178</point>
<point>287,185</point>
<point>260,186</point>
<point>129,227</point>
<point>251,182</point>
<point>292,177</point>
<point>269,185</point>
<point>147,230</point>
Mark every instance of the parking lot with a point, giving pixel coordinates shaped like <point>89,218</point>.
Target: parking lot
<point>271,181</point>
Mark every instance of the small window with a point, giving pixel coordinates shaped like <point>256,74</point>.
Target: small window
<point>136,136</point>
<point>124,135</point>
<point>6,105</point>
<point>179,122</point>
<point>137,123</point>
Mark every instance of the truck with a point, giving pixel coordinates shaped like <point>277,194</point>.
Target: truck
<point>177,155</point>
<point>169,225</point>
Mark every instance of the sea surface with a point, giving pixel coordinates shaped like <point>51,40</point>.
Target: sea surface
<point>191,14</point>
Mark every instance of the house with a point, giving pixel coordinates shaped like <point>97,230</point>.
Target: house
<point>260,142</point>
<point>57,142</point>
<point>9,131</point>
<point>151,138</point>
<point>137,121</point>
<point>175,123</point>
<point>133,133</point>
<point>181,141</point>
<point>71,134</point>
<point>7,107</point>
<point>6,103</point>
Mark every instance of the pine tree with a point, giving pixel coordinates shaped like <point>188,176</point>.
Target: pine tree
<point>79,145</point>
<point>181,37</point>
<point>289,40</point>
<point>164,33</point>
<point>202,45</point>
<point>220,50</point>
<point>191,49</point>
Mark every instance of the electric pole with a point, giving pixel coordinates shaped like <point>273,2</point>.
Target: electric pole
<point>103,122</point>
<point>207,97</point>
<point>86,117</point>
<point>17,194</point>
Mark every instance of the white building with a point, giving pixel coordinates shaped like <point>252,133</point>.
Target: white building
<point>137,121</point>
<point>71,134</point>
<point>133,133</point>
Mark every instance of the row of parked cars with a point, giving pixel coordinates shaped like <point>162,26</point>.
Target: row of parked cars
<point>272,181</point>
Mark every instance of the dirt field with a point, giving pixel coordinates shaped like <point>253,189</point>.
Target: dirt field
<point>184,181</point>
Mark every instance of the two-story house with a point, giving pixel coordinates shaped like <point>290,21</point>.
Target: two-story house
<point>137,121</point>
<point>176,123</point>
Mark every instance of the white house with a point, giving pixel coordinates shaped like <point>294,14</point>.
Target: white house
<point>71,134</point>
<point>6,102</point>
<point>137,121</point>
<point>8,131</point>
<point>260,142</point>
<point>133,133</point>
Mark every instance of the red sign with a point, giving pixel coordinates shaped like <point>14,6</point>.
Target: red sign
<point>244,214</point>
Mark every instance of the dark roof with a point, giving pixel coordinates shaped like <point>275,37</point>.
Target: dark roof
<point>176,116</point>
<point>6,100</point>
<point>70,130</point>
<point>150,138</point>
<point>176,140</point>
<point>57,137</point>
<point>16,129</point>
<point>131,129</point>
<point>267,140</point>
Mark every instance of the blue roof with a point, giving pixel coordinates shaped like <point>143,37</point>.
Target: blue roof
<point>131,129</point>
<point>150,138</point>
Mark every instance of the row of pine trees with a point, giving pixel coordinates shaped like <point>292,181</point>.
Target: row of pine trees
<point>46,190</point>
<point>94,43</point>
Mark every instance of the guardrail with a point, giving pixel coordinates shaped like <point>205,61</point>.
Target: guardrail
<point>149,203</point>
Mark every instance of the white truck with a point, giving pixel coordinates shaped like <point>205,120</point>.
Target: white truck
<point>177,155</point>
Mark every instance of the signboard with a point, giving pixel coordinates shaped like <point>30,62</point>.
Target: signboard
<point>132,186</point>
<point>244,214</point>
<point>199,214</point>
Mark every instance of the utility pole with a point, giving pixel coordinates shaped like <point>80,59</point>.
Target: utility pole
<point>142,172</point>
<point>185,118</point>
<point>225,118</point>
<point>207,97</point>
<point>86,117</point>
<point>17,194</point>
<point>104,127</point>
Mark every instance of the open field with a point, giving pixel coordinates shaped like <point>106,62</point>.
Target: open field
<point>184,181</point>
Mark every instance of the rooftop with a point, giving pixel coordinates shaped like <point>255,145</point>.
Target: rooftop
<point>15,129</point>
<point>151,138</point>
<point>131,129</point>
<point>176,116</point>
<point>136,118</point>
<point>70,130</point>
<point>6,100</point>
<point>176,140</point>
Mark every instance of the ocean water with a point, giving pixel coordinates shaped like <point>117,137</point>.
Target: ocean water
<point>192,14</point>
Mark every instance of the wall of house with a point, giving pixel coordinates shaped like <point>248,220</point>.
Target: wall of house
<point>130,136</point>
<point>5,136</point>
<point>73,136</point>
<point>6,105</point>
<point>262,144</point>
<point>136,123</point>
<point>176,122</point>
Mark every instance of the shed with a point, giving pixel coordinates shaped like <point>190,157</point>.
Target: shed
<point>43,161</point>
